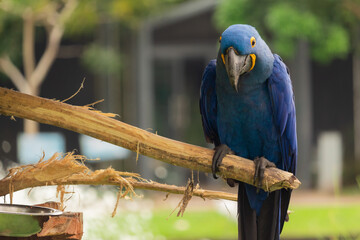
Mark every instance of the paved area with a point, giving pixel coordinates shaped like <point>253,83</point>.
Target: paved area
<point>316,197</point>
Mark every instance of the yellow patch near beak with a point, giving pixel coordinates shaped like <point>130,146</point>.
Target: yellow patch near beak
<point>253,59</point>
<point>223,58</point>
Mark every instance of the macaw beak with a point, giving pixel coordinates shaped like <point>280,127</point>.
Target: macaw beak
<point>237,65</point>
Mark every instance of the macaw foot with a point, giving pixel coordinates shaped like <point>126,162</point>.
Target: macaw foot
<point>261,164</point>
<point>220,153</point>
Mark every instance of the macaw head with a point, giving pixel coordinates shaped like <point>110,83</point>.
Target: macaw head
<point>245,56</point>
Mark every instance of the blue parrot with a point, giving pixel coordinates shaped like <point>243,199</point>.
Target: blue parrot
<point>247,109</point>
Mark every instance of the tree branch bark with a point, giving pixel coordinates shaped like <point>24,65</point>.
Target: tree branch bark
<point>107,179</point>
<point>82,120</point>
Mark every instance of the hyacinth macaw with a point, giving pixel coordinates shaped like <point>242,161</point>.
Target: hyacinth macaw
<point>247,108</point>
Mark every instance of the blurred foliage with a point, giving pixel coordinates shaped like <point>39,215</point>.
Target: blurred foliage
<point>101,60</point>
<point>328,25</point>
<point>83,20</point>
<point>91,13</point>
<point>11,23</point>
<point>88,16</point>
<point>10,36</point>
<point>18,7</point>
<point>12,14</point>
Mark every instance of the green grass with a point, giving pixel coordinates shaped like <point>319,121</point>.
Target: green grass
<point>305,221</point>
<point>323,221</point>
<point>158,225</point>
<point>195,225</point>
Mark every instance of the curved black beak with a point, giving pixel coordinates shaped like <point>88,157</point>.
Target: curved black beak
<point>237,65</point>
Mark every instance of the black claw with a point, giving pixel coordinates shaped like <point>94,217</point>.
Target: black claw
<point>231,182</point>
<point>257,166</point>
<point>260,165</point>
<point>220,153</point>
<point>214,167</point>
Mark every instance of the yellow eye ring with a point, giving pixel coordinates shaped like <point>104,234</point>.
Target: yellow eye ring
<point>252,41</point>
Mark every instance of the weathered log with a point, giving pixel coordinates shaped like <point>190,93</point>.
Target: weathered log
<point>85,121</point>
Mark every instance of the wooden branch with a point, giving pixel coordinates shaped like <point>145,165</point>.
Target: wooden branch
<point>84,121</point>
<point>107,179</point>
<point>67,170</point>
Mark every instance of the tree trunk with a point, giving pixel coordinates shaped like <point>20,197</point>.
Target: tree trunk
<point>31,127</point>
<point>300,71</point>
<point>356,89</point>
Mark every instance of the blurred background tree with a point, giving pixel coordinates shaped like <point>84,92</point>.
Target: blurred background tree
<point>327,25</point>
<point>25,21</point>
<point>51,16</point>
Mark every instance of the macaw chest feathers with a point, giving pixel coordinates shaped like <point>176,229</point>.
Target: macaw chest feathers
<point>246,125</point>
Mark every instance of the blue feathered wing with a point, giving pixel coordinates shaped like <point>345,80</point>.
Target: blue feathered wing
<point>208,104</point>
<point>283,106</point>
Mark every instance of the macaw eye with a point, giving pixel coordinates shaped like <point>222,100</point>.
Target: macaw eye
<point>220,39</point>
<point>253,41</point>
